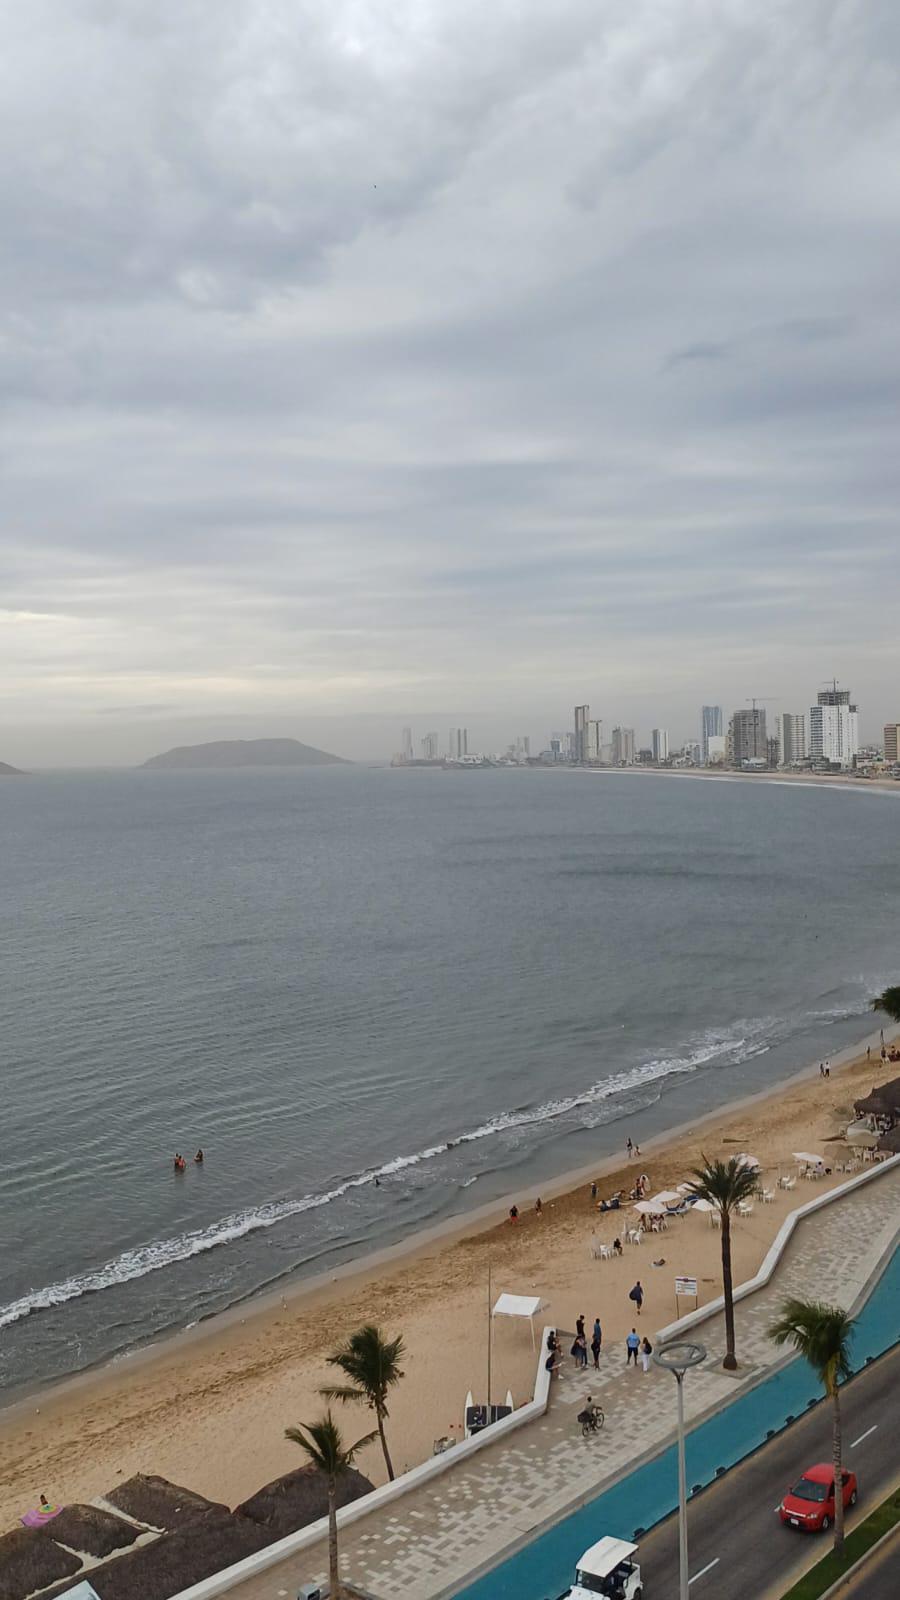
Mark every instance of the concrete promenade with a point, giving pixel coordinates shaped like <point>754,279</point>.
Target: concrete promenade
<point>442,1535</point>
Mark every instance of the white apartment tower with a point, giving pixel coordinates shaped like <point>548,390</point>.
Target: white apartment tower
<point>582,718</point>
<point>659,740</point>
<point>623,747</point>
<point>792,747</point>
<point>834,728</point>
<point>712,726</point>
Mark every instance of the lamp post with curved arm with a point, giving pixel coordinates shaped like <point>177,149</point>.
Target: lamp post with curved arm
<point>678,1358</point>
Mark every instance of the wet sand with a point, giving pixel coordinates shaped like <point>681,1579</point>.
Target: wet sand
<point>208,1408</point>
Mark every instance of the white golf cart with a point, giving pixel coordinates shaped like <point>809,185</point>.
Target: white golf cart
<point>607,1569</point>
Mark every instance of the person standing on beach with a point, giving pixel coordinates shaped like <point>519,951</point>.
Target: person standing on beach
<point>594,1189</point>
<point>596,1343</point>
<point>629,1147</point>
<point>632,1345</point>
<point>646,1353</point>
<point>637,1295</point>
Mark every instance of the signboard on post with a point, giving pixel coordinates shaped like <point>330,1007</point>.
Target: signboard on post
<point>686,1286</point>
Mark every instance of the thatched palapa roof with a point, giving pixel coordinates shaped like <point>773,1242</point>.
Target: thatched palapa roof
<point>30,1561</point>
<point>890,1141</point>
<point>89,1529</point>
<point>160,1503</point>
<point>884,1100</point>
<point>201,1546</point>
<point>299,1498</point>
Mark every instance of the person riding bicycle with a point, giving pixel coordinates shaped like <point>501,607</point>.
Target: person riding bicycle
<point>591,1414</point>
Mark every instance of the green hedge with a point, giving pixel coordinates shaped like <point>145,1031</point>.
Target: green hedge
<point>827,1572</point>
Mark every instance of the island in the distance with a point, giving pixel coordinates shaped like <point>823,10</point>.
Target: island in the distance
<point>224,754</point>
<point>6,771</point>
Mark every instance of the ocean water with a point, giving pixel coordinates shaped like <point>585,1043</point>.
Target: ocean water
<point>452,982</point>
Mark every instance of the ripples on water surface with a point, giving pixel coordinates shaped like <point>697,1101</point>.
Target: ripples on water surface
<point>430,977</point>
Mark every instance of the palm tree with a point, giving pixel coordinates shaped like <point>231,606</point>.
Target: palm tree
<point>725,1184</point>
<point>325,1447</point>
<point>372,1363</point>
<point>822,1334</point>
<point>889,1002</point>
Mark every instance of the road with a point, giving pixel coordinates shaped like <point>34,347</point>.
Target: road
<point>879,1578</point>
<point>737,1544</point>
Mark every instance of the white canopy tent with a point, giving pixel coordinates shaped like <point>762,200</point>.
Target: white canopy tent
<point>519,1305</point>
<point>664,1198</point>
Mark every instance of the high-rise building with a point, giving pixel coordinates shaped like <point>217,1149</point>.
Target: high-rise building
<point>430,747</point>
<point>892,742</point>
<point>712,726</point>
<point>748,737</point>
<point>791,739</point>
<point>772,749</point>
<point>659,741</point>
<point>594,740</point>
<point>407,744</point>
<point>582,718</point>
<point>623,747</point>
<point>834,728</point>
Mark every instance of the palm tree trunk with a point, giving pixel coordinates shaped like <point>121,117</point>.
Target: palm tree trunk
<point>730,1361</point>
<point>334,1577</point>
<point>387,1455</point>
<point>837,1453</point>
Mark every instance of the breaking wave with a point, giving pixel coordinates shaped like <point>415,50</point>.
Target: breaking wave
<point>723,1047</point>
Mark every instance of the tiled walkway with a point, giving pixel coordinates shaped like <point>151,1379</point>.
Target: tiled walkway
<point>439,1536</point>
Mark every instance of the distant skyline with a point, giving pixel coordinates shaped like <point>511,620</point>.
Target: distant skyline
<point>443,364</point>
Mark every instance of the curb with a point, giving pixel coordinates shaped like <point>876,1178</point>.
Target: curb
<point>857,1567</point>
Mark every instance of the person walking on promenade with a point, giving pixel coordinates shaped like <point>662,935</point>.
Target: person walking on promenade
<point>596,1343</point>
<point>637,1295</point>
<point>579,1325</point>
<point>646,1353</point>
<point>579,1350</point>
<point>632,1345</point>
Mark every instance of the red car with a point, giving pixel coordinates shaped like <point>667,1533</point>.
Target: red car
<point>810,1504</point>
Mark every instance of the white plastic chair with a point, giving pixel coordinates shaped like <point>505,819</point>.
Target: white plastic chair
<point>633,1236</point>
<point>768,1196</point>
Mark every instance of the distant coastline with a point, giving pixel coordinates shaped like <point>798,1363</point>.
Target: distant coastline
<point>6,771</point>
<point>225,755</point>
<point>842,780</point>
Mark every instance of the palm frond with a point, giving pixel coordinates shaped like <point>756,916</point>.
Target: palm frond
<point>821,1333</point>
<point>723,1183</point>
<point>324,1444</point>
<point>888,1001</point>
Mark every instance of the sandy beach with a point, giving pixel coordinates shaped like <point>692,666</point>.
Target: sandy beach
<point>208,1409</point>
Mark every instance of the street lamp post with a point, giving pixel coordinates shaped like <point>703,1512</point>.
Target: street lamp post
<point>677,1358</point>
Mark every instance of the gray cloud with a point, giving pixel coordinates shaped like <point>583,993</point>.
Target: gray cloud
<point>362,360</point>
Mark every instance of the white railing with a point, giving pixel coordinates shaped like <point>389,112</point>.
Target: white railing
<point>251,1566</point>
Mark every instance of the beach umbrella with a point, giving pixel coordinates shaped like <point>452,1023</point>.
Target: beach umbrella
<point>747,1161</point>
<point>664,1198</point>
<point>703,1205</point>
<point>646,1207</point>
<point>811,1161</point>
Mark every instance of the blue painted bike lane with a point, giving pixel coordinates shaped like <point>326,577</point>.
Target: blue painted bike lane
<point>544,1568</point>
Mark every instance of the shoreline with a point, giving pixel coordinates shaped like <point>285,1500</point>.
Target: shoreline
<point>840,780</point>
<point>177,1408</point>
<point>421,1244</point>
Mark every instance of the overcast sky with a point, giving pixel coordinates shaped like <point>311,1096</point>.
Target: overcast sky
<point>441,360</point>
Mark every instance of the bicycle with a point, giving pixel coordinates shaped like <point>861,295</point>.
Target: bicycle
<point>591,1421</point>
